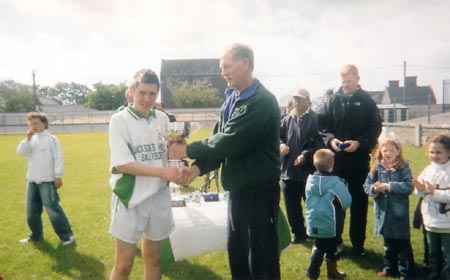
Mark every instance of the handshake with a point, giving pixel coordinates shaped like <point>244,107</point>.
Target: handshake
<point>181,175</point>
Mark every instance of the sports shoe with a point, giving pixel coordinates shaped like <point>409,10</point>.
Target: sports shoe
<point>384,273</point>
<point>28,240</point>
<point>297,239</point>
<point>69,240</point>
<point>359,252</point>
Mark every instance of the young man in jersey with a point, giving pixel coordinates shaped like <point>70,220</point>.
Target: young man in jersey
<point>139,152</point>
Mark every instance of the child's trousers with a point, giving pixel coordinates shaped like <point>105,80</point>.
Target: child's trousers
<point>45,195</point>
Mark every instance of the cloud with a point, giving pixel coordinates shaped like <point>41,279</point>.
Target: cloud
<point>296,43</point>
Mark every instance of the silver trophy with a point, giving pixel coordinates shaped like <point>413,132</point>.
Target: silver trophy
<point>176,132</point>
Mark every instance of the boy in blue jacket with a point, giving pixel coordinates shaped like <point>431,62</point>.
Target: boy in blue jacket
<point>326,197</point>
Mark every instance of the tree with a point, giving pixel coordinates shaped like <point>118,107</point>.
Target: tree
<point>16,97</point>
<point>198,95</point>
<point>106,96</point>
<point>19,102</point>
<point>66,93</point>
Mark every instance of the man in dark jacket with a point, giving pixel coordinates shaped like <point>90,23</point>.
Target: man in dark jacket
<point>298,140</point>
<point>350,124</point>
<point>245,143</point>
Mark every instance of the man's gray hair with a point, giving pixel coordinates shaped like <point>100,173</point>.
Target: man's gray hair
<point>241,51</point>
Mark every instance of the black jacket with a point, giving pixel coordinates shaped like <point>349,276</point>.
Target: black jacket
<point>353,117</point>
<point>302,137</point>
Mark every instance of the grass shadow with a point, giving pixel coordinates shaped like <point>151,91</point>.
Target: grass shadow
<point>72,263</point>
<point>186,270</point>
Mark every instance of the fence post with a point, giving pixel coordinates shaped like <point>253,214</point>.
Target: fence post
<point>418,135</point>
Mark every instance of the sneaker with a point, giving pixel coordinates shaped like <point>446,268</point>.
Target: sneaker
<point>385,273</point>
<point>297,239</point>
<point>28,240</point>
<point>359,252</point>
<point>69,240</point>
<point>25,240</point>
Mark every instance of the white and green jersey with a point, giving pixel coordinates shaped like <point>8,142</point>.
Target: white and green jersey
<point>133,137</point>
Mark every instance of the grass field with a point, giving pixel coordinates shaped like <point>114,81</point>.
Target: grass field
<point>85,197</point>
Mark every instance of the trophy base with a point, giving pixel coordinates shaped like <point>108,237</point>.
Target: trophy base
<point>175,163</point>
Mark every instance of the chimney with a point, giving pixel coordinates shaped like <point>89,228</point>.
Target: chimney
<point>411,81</point>
<point>393,84</point>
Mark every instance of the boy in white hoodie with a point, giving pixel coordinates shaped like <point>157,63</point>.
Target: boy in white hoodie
<point>44,176</point>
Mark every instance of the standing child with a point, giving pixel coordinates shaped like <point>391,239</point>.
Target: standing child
<point>325,196</point>
<point>138,157</point>
<point>44,176</point>
<point>390,184</point>
<point>433,185</point>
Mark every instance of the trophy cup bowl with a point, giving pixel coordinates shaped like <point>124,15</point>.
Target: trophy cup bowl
<point>176,131</point>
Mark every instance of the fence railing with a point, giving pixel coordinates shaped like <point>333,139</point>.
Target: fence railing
<point>91,121</point>
<point>94,121</point>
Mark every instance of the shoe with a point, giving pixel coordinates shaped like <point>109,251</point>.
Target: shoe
<point>359,252</point>
<point>28,240</point>
<point>297,239</point>
<point>384,273</point>
<point>69,240</point>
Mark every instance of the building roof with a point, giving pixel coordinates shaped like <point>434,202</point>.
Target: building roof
<point>377,96</point>
<point>413,94</point>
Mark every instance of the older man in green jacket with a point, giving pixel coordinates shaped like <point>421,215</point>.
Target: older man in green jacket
<point>245,143</point>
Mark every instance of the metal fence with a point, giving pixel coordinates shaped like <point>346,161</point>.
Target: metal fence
<point>93,121</point>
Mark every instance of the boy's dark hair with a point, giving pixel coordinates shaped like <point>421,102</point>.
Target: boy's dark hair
<point>146,76</point>
<point>38,115</point>
<point>443,139</point>
<point>322,159</point>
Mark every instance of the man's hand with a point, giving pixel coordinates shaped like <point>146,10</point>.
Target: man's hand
<point>177,150</point>
<point>189,174</point>
<point>284,149</point>
<point>348,145</point>
<point>300,160</point>
<point>354,145</point>
<point>58,182</point>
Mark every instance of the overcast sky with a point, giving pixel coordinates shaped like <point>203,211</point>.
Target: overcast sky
<point>296,42</point>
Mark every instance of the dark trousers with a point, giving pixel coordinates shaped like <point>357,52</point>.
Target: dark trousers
<point>45,195</point>
<point>398,257</point>
<point>294,193</point>
<point>252,233</point>
<point>355,174</point>
<point>439,244</point>
<point>322,246</point>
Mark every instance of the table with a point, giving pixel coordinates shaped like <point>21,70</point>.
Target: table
<point>202,228</point>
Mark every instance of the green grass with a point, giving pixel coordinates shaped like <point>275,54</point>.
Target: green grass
<point>85,197</point>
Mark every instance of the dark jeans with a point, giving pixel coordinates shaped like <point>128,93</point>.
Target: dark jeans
<point>322,246</point>
<point>45,195</point>
<point>355,174</point>
<point>398,257</point>
<point>294,193</point>
<point>252,233</point>
<point>439,244</point>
